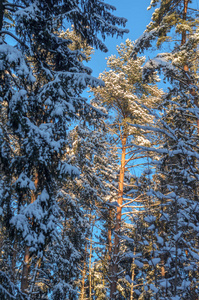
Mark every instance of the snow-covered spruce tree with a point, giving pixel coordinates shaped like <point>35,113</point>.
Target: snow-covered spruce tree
<point>41,84</point>
<point>174,259</point>
<point>123,93</point>
<point>169,239</point>
<point>63,258</point>
<point>99,281</point>
<point>78,200</point>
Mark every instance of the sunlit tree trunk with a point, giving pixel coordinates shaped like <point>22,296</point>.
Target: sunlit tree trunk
<point>109,236</point>
<point>110,242</point>
<point>183,40</point>
<point>114,275</point>
<point>84,275</point>
<point>186,68</point>
<point>132,277</point>
<point>26,270</point>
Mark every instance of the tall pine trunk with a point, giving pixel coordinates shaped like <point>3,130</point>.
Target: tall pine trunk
<point>186,68</point>
<point>114,275</point>
<point>109,235</point>
<point>26,271</point>
<point>183,40</point>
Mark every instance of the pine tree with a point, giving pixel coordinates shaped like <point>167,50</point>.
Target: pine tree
<point>123,92</point>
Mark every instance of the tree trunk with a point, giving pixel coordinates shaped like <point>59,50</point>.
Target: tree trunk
<point>14,258</point>
<point>176,249</point>
<point>90,275</point>
<point>183,40</point>
<point>26,265</point>
<point>90,257</point>
<point>114,275</point>
<point>109,236</point>
<point>186,68</point>
<point>2,8</point>
<point>162,268</point>
<point>36,273</point>
<point>25,272</point>
<point>110,242</point>
<point>83,276</point>
<point>132,277</point>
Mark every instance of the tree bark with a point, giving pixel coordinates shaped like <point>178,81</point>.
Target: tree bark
<point>83,276</point>
<point>183,40</point>
<point>132,277</point>
<point>114,275</point>
<point>14,258</point>
<point>2,8</point>
<point>90,257</point>
<point>90,274</point>
<point>25,272</point>
<point>109,236</point>
<point>176,250</point>
<point>186,68</point>
<point>193,93</point>
<point>26,266</point>
<point>36,273</point>
<point>110,242</point>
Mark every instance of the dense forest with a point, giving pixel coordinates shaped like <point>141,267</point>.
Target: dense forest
<point>99,199</point>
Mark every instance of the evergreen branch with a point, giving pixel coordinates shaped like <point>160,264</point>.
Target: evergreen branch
<point>14,37</point>
<point>13,5</point>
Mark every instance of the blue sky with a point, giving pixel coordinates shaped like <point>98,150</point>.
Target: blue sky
<point>138,17</point>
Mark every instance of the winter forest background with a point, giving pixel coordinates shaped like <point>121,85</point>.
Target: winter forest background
<point>77,218</point>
